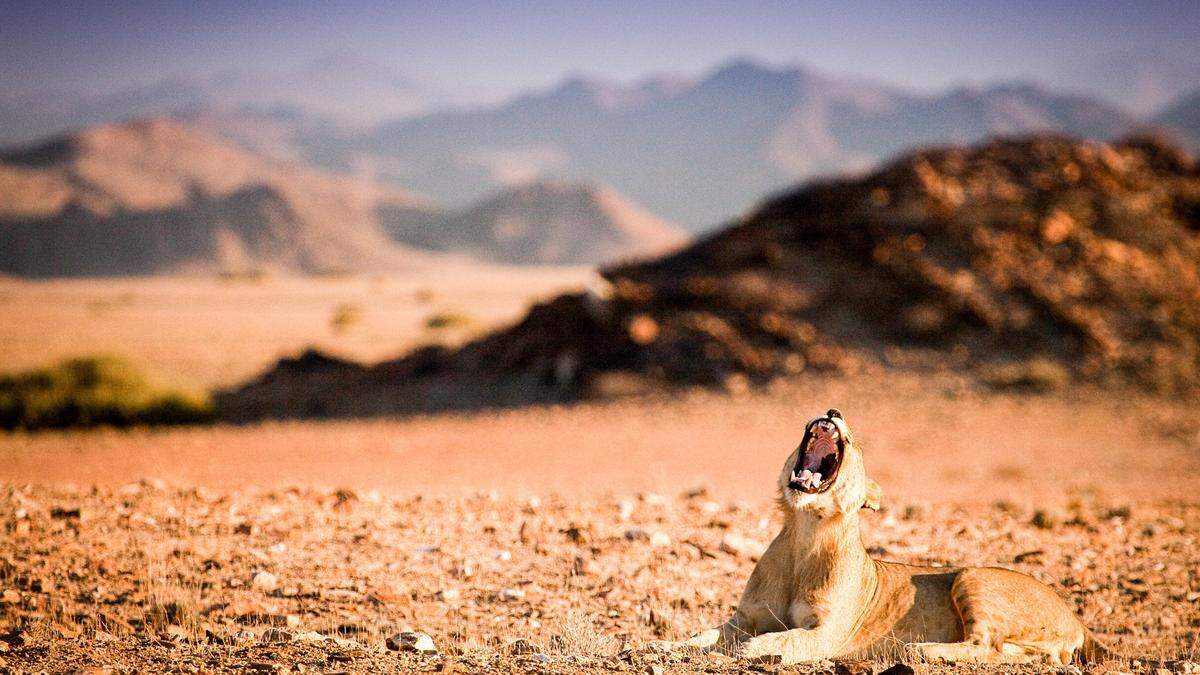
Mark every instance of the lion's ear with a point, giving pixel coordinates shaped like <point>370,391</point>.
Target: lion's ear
<point>874,496</point>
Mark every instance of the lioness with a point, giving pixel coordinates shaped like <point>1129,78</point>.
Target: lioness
<point>817,594</point>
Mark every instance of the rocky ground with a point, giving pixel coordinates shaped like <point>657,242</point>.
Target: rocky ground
<point>153,577</point>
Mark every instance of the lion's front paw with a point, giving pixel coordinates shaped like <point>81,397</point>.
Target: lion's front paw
<point>768,648</point>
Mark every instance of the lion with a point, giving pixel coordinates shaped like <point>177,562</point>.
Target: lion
<point>817,594</point>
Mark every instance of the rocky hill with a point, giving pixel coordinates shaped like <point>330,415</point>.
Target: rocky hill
<point>158,196</point>
<point>548,223</point>
<point>1034,261</point>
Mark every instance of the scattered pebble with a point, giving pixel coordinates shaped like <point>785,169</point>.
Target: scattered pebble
<point>275,635</point>
<point>512,594</point>
<point>522,646</point>
<point>412,641</point>
<point>264,581</point>
<point>637,534</point>
<point>737,545</point>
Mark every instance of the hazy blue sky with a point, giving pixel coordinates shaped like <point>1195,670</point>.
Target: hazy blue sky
<point>485,48</point>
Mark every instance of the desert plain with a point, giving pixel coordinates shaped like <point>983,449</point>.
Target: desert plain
<point>537,539</point>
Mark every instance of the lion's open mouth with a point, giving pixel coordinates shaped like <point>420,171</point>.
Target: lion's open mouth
<point>820,458</point>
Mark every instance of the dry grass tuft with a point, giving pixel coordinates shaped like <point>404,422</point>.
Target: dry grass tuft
<point>577,634</point>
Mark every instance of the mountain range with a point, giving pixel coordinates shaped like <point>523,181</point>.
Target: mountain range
<point>701,152</point>
<point>694,151</point>
<point>161,196</point>
<point>339,91</point>
<point>156,196</point>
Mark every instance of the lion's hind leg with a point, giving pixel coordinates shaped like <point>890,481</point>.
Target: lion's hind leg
<point>972,651</point>
<point>1007,617</point>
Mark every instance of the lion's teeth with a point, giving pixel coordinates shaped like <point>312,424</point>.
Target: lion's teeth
<point>816,479</point>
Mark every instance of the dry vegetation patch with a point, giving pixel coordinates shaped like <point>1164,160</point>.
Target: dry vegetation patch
<point>94,391</point>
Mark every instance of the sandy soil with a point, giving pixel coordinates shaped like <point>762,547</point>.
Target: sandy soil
<point>205,331</point>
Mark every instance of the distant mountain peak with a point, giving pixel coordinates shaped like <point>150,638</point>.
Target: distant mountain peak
<point>579,90</point>
<point>745,70</point>
<point>550,222</point>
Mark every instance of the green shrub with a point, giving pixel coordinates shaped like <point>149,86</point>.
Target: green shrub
<point>345,316</point>
<point>447,320</point>
<point>249,275</point>
<point>93,391</point>
<point>1037,375</point>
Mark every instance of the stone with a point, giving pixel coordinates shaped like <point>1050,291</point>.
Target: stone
<point>636,534</point>
<point>341,595</point>
<point>62,513</point>
<point>522,646</point>
<point>512,594</point>
<point>1045,519</point>
<point>412,641</point>
<point>264,581</point>
<point>739,546</point>
<point>625,508</point>
<point>275,635</point>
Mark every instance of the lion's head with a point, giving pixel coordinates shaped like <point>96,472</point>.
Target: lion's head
<point>825,473</point>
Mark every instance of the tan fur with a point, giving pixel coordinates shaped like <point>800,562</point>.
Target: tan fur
<point>817,594</point>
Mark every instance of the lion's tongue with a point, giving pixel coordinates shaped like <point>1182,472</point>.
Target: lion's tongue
<point>819,449</point>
